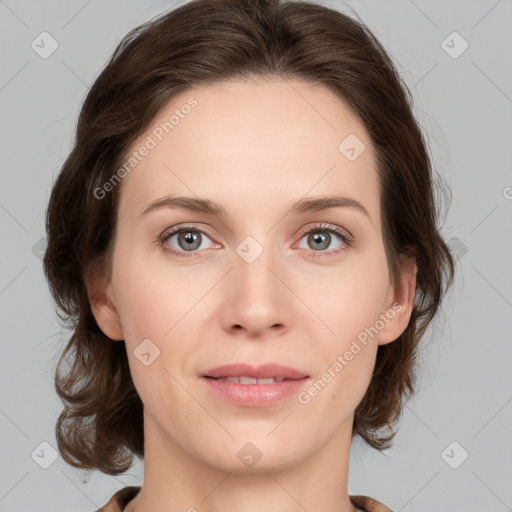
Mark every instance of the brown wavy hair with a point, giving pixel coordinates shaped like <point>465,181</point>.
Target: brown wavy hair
<point>101,425</point>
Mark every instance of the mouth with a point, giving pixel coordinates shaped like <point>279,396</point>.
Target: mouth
<point>248,391</point>
<point>255,386</point>
<point>242,373</point>
<point>251,380</point>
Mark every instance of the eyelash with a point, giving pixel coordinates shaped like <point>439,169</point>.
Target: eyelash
<point>345,237</point>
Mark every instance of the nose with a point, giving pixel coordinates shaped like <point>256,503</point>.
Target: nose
<point>258,302</point>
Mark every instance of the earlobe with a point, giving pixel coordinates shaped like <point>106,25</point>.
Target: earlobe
<point>398,310</point>
<point>103,308</point>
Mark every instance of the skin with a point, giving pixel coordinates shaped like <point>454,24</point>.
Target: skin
<point>254,148</point>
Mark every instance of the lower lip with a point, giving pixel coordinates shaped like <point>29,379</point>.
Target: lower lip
<point>255,395</point>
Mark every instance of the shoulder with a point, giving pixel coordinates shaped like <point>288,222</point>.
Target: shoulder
<point>369,504</point>
<point>120,499</point>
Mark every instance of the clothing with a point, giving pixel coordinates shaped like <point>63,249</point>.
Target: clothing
<point>121,498</point>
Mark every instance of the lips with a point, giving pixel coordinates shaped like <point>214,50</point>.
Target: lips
<point>251,380</point>
<point>246,374</point>
<point>254,386</point>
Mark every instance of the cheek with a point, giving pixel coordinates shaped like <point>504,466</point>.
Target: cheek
<point>348,347</point>
<point>148,300</point>
<point>349,299</point>
<point>156,306</point>
<point>349,305</point>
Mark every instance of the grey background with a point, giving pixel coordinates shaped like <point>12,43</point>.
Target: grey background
<point>464,105</point>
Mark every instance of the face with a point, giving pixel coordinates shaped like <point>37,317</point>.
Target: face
<point>258,283</point>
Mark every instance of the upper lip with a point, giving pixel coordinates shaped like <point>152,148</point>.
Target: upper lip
<point>258,372</point>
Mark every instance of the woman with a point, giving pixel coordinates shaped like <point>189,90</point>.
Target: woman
<point>244,242</point>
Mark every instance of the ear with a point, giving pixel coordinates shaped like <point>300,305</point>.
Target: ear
<point>102,302</point>
<point>399,303</point>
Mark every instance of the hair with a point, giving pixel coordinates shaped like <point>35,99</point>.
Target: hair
<point>202,41</point>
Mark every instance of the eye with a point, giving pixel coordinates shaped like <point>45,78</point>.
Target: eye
<point>188,238</point>
<point>319,237</point>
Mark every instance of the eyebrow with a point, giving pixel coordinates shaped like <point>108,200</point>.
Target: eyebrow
<point>302,206</point>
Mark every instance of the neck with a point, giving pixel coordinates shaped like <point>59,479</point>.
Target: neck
<point>176,480</point>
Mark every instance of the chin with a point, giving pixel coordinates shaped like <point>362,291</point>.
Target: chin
<point>256,457</point>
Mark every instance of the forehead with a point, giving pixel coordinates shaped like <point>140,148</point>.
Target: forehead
<point>252,143</point>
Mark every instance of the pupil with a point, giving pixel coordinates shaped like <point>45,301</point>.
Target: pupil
<point>189,238</point>
<point>321,238</point>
